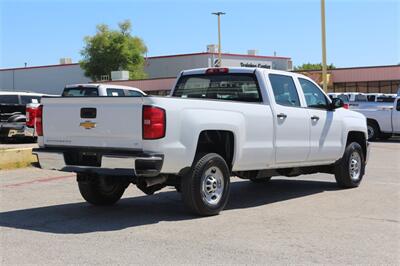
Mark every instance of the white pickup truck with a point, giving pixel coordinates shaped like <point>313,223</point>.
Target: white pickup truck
<point>382,122</point>
<point>218,122</point>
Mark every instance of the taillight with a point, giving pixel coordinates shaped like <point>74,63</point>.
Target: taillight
<point>346,106</point>
<point>39,121</point>
<point>154,122</point>
<point>30,116</point>
<point>217,70</point>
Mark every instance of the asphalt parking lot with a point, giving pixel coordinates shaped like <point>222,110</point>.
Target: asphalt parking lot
<point>307,219</point>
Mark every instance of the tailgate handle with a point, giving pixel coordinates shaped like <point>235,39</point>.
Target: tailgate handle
<point>88,112</point>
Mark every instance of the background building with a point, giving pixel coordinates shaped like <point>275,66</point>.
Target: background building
<point>52,78</point>
<point>382,79</point>
<point>162,71</point>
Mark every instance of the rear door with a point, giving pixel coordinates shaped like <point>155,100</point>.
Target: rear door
<point>292,137</point>
<point>104,122</point>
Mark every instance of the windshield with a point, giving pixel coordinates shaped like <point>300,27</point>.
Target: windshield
<point>80,92</point>
<point>230,87</point>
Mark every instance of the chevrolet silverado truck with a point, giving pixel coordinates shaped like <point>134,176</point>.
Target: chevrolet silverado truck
<point>382,122</point>
<point>219,122</point>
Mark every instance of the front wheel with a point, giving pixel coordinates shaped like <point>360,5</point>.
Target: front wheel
<point>349,171</point>
<point>100,190</point>
<point>205,189</point>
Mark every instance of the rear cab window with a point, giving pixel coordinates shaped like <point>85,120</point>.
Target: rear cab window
<point>30,99</point>
<point>240,87</point>
<point>80,92</point>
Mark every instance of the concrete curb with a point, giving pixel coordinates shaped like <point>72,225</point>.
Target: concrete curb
<point>16,158</point>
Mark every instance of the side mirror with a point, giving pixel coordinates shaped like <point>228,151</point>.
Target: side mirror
<point>337,103</point>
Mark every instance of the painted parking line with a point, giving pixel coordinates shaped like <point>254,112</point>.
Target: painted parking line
<point>39,180</point>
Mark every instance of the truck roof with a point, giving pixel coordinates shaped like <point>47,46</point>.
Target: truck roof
<point>239,70</point>
<point>96,85</point>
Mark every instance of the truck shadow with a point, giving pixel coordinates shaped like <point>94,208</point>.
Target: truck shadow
<point>78,218</point>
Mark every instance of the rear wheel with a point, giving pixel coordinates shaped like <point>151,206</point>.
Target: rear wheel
<point>205,189</point>
<point>349,171</point>
<point>100,190</point>
<point>373,130</point>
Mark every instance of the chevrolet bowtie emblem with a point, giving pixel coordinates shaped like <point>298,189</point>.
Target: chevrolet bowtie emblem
<point>88,125</point>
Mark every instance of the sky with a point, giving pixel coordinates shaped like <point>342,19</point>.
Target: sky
<point>359,32</point>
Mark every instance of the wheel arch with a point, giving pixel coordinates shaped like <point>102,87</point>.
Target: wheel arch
<point>221,142</point>
<point>360,138</point>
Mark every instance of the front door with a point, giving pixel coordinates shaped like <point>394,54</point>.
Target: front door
<point>396,117</point>
<point>325,126</point>
<point>292,135</point>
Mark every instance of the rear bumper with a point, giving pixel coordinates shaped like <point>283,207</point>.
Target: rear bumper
<point>108,162</point>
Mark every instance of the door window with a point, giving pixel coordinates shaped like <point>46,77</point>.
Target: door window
<point>133,93</point>
<point>314,96</point>
<point>284,90</point>
<point>115,92</point>
<point>398,105</point>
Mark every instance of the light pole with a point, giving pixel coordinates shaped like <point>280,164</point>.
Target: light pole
<point>219,35</point>
<point>324,80</point>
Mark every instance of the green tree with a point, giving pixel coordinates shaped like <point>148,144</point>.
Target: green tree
<point>310,66</point>
<point>110,50</point>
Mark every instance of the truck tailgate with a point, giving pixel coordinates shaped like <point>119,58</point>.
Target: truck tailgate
<point>112,122</point>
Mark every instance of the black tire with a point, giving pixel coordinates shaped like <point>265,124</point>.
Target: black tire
<point>100,190</point>
<point>192,185</point>
<point>260,180</point>
<point>373,130</point>
<point>343,168</point>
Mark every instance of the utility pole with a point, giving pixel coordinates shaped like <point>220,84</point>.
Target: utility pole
<point>324,78</point>
<point>219,36</point>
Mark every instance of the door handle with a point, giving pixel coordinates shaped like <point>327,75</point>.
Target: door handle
<point>314,117</point>
<point>281,116</point>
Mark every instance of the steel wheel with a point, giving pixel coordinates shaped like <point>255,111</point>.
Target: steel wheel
<point>212,185</point>
<point>371,132</point>
<point>355,166</point>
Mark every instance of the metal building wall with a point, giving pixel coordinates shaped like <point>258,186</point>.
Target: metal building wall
<point>171,66</point>
<point>49,79</point>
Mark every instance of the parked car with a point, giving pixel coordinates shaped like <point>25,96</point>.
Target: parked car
<point>253,123</point>
<point>381,97</point>
<point>383,122</point>
<point>358,100</point>
<point>12,114</point>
